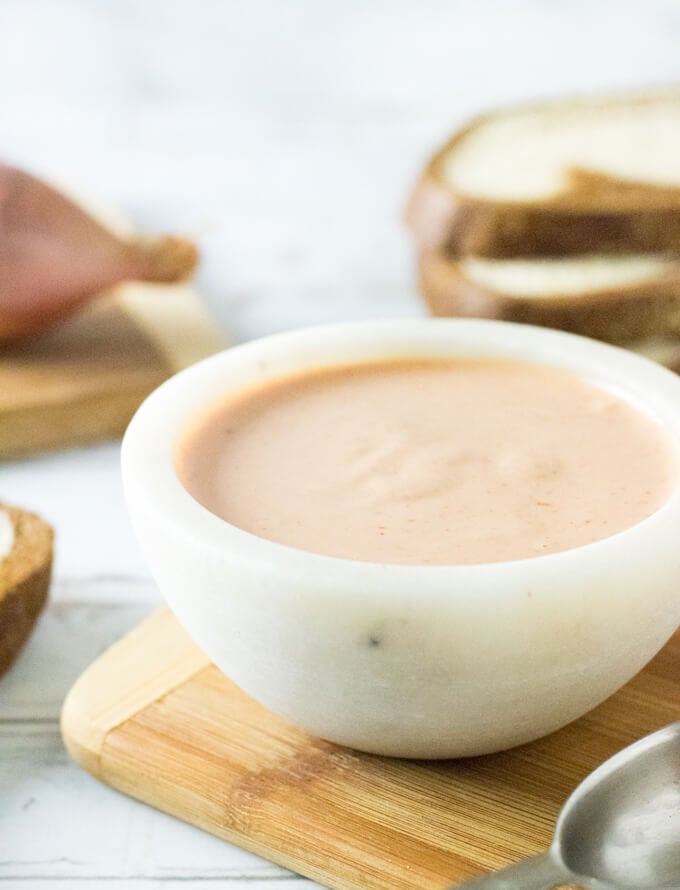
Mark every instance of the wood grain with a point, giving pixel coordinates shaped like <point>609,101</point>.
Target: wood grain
<point>195,746</point>
<point>90,716</point>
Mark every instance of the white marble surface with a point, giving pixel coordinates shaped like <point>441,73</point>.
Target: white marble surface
<point>284,137</point>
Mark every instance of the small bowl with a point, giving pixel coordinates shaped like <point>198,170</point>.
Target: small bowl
<point>407,660</point>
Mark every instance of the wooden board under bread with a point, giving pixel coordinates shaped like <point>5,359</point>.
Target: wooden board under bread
<point>82,381</point>
<point>154,719</point>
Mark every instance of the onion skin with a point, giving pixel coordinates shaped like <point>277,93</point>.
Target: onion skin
<point>54,257</point>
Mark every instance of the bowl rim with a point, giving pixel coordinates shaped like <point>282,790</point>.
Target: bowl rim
<point>148,449</point>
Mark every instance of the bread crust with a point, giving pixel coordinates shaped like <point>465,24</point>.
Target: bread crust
<point>633,312</point>
<point>24,581</point>
<point>595,213</point>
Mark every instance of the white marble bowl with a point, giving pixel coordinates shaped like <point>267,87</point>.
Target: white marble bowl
<point>412,661</point>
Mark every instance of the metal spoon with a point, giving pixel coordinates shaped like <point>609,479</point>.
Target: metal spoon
<point>619,829</point>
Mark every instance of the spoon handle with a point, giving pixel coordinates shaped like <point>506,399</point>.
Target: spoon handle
<point>536,873</point>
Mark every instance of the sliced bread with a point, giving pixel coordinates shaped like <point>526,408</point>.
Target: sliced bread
<point>610,298</point>
<point>595,175</point>
<point>24,578</point>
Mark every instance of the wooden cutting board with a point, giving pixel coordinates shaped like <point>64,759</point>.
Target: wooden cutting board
<point>82,381</point>
<point>154,719</point>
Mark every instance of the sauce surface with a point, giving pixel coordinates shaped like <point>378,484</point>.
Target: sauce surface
<point>429,462</point>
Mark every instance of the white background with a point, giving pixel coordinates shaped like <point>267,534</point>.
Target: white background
<point>284,137</point>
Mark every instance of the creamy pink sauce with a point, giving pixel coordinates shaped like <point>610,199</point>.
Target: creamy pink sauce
<point>429,462</point>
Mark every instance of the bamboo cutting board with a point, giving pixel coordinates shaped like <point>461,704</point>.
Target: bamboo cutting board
<point>154,719</point>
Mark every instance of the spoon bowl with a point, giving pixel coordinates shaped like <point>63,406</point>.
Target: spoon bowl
<point>619,829</point>
<point>622,824</point>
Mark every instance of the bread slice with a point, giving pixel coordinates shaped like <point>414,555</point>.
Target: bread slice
<point>24,581</point>
<point>610,298</point>
<point>595,175</point>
